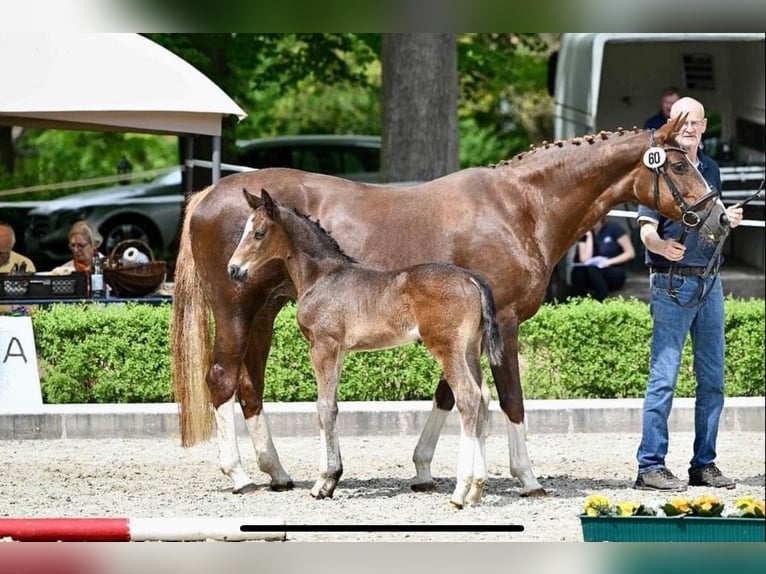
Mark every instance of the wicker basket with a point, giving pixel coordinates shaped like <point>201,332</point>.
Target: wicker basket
<point>136,280</point>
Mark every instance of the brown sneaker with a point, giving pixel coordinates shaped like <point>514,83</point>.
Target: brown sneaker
<point>660,479</point>
<point>709,475</point>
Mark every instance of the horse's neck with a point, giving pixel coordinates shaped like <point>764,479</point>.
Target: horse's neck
<point>581,184</point>
<point>308,259</point>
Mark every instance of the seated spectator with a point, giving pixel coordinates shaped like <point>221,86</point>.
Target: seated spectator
<point>667,98</point>
<point>600,260</point>
<point>11,261</point>
<point>84,241</point>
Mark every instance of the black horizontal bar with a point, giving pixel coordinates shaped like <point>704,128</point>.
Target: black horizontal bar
<point>385,528</point>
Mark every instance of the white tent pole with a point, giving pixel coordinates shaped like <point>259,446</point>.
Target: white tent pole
<point>189,162</point>
<point>216,158</point>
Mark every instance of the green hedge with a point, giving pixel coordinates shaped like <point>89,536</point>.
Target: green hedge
<point>581,349</point>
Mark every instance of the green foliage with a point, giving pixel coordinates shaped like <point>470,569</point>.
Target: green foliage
<point>53,156</point>
<point>587,349</point>
<point>109,354</point>
<point>581,349</point>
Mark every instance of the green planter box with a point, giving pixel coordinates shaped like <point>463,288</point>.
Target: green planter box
<point>664,529</point>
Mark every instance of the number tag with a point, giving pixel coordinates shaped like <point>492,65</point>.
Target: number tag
<point>654,157</point>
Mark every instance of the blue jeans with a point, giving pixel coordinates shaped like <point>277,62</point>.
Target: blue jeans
<point>671,323</point>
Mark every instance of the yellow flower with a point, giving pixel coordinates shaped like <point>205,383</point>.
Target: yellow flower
<point>677,506</point>
<point>627,508</point>
<point>707,505</point>
<point>597,505</point>
<point>748,507</point>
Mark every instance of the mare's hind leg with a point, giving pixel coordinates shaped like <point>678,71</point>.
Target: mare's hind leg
<point>424,450</point>
<point>328,363</point>
<point>251,397</point>
<point>508,385</point>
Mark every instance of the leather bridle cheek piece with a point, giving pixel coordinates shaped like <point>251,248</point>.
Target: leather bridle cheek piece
<point>690,218</point>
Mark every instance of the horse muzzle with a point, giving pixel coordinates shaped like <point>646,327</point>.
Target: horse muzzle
<point>236,272</point>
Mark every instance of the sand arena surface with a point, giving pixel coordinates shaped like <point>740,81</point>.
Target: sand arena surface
<point>159,478</point>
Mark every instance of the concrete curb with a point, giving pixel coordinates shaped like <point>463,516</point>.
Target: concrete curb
<point>160,420</point>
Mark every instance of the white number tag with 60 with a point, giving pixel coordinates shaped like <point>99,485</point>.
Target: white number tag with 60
<point>654,157</point>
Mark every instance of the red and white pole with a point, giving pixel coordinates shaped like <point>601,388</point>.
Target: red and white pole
<point>141,529</point>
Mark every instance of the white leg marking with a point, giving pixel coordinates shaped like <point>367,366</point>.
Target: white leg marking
<point>322,463</point>
<point>228,451</point>
<point>424,450</point>
<point>521,467</point>
<point>464,469</point>
<point>266,454</point>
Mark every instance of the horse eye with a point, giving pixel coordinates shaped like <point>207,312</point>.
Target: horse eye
<point>679,167</point>
<point>259,234</point>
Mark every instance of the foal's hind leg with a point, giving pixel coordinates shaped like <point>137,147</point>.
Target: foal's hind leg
<point>424,450</point>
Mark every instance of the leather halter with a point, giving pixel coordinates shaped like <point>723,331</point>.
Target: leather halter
<point>690,219</point>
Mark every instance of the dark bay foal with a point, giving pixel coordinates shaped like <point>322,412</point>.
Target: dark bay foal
<point>344,306</point>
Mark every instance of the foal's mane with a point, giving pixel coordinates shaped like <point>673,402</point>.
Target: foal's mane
<point>320,233</point>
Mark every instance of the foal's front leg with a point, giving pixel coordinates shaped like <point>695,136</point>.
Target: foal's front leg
<point>327,359</point>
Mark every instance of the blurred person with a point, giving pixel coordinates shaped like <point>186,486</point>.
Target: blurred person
<point>668,97</point>
<point>600,260</point>
<point>84,241</point>
<point>10,260</point>
<point>694,306</point>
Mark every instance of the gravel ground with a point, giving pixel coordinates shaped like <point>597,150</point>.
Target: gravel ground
<point>158,478</point>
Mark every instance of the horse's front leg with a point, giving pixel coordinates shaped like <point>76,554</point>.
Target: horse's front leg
<point>424,450</point>
<point>251,397</point>
<point>508,384</point>
<point>328,363</point>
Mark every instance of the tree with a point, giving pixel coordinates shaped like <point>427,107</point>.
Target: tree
<point>420,89</point>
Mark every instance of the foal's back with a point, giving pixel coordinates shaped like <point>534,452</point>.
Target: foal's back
<point>366,309</point>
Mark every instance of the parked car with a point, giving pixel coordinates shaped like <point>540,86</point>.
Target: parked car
<point>355,157</point>
<point>149,212</point>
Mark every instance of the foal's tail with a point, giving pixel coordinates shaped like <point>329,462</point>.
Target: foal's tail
<point>491,341</point>
<point>191,346</point>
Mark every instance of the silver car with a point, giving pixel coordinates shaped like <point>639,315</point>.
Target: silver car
<point>151,212</point>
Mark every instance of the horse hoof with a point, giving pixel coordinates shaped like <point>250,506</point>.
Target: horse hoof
<point>536,493</point>
<point>455,505</point>
<point>249,488</point>
<point>322,495</point>
<point>282,486</point>
<point>424,487</point>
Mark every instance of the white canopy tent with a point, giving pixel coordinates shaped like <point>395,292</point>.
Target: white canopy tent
<point>108,82</point>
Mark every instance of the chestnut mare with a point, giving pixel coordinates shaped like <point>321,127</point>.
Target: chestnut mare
<point>511,223</point>
<point>344,306</point>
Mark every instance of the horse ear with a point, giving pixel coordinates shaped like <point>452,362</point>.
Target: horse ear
<point>678,124</point>
<point>268,203</point>
<point>252,200</point>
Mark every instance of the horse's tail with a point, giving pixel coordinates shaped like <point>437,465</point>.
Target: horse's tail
<point>191,346</point>
<point>491,341</point>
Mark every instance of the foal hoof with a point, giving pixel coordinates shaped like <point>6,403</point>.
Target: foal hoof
<point>424,487</point>
<point>282,486</point>
<point>249,488</point>
<point>535,493</point>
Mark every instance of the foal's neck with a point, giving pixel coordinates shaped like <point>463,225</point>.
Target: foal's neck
<point>310,258</point>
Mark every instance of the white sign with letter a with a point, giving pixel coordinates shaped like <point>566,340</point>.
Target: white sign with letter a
<point>19,378</point>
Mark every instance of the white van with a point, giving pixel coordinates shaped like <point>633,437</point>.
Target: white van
<point>604,81</point>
